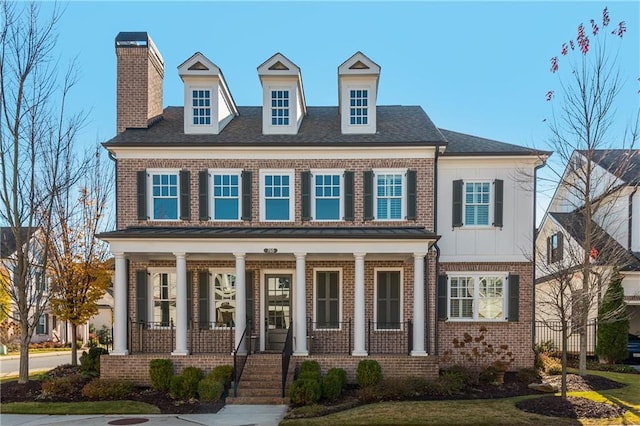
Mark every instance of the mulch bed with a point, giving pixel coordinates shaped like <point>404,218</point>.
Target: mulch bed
<point>572,407</point>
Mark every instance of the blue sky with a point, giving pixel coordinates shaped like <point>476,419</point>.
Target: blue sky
<point>474,67</point>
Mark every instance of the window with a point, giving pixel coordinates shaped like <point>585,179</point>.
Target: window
<point>224,300</point>
<point>201,101</point>
<point>226,195</point>
<point>327,203</point>
<point>358,107</point>
<point>388,290</point>
<point>277,202</point>
<point>164,195</point>
<point>476,203</point>
<point>389,195</point>
<point>164,298</point>
<point>41,328</point>
<point>555,248</point>
<point>327,296</point>
<point>477,297</point>
<point>280,107</point>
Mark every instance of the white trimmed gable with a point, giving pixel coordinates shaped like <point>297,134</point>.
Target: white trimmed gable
<point>208,104</point>
<point>358,79</point>
<point>283,101</point>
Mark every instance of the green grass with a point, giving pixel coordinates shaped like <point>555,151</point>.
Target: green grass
<point>482,412</point>
<point>93,407</point>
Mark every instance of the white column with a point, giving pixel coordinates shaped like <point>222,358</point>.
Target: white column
<point>418,305</point>
<point>120,307</point>
<point>300,325</point>
<point>181,305</point>
<point>241,304</point>
<point>358,308</point>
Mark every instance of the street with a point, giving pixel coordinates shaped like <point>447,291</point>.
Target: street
<point>9,364</point>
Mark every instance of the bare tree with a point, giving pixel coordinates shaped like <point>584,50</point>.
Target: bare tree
<point>35,134</point>
<point>583,133</point>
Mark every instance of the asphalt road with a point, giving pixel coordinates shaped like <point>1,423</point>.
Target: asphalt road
<point>10,364</point>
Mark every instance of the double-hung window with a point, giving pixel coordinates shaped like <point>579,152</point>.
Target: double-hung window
<point>478,297</point>
<point>388,299</point>
<point>327,195</point>
<point>41,328</point>
<point>277,195</point>
<point>477,203</point>
<point>163,289</point>
<point>201,107</point>
<point>555,248</point>
<point>389,193</point>
<point>279,107</point>
<point>164,191</point>
<point>224,299</point>
<point>359,107</point>
<point>226,194</point>
<point>327,299</point>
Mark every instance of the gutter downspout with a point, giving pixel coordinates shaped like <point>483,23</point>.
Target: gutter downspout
<point>435,230</point>
<point>535,234</point>
<point>630,231</point>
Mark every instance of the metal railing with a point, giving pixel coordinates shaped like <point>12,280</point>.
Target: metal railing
<point>286,357</point>
<point>238,364</point>
<point>330,337</point>
<point>389,337</point>
<point>552,331</point>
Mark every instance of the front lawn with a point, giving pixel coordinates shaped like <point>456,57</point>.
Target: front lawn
<point>92,407</point>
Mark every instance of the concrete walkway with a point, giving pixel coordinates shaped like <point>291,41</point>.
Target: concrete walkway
<point>230,415</point>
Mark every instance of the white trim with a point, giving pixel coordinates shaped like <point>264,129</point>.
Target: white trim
<point>210,196</point>
<point>492,194</point>
<point>375,297</point>
<point>312,195</point>
<point>403,201</point>
<point>149,181</point>
<point>212,127</point>
<point>340,298</point>
<point>212,296</point>
<point>292,193</point>
<point>476,288</point>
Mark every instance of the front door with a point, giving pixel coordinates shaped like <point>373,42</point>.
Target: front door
<point>278,303</point>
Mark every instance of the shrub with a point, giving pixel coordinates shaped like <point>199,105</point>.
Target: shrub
<point>547,348</point>
<point>527,375</point>
<point>305,392</point>
<point>90,361</point>
<point>488,375</point>
<point>368,373</point>
<point>339,372</point>
<point>309,375</point>
<point>368,394</point>
<point>613,323</point>
<point>331,387</point>
<point>192,376</point>
<point>309,365</point>
<point>222,373</point>
<point>550,365</point>
<point>469,376</point>
<point>161,373</point>
<point>107,389</point>
<point>176,388</point>
<point>210,390</point>
<point>395,389</point>
<point>451,381</point>
<point>63,386</point>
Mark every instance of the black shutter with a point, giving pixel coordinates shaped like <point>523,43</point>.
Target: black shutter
<point>411,194</point>
<point>185,196</point>
<point>456,215</point>
<point>141,295</point>
<point>498,202</point>
<point>349,206</point>
<point>246,195</point>
<point>367,185</point>
<point>559,252</point>
<point>249,296</point>
<point>203,195</point>
<point>305,195</point>
<point>203,299</point>
<point>142,195</point>
<point>514,298</point>
<point>549,252</point>
<point>189,298</point>
<point>442,297</point>
<point>46,324</point>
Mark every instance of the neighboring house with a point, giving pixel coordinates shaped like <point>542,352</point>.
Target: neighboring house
<point>361,230</point>
<point>616,230</point>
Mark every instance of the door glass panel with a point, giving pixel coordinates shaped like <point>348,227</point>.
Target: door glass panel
<point>278,301</point>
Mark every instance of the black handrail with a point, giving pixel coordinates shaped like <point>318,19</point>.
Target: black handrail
<point>237,369</point>
<point>286,357</point>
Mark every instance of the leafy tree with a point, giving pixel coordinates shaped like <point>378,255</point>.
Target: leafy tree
<point>613,323</point>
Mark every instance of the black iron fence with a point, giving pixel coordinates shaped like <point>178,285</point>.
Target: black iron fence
<point>552,331</point>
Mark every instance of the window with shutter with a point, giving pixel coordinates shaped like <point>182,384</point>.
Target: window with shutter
<point>388,290</point>
<point>476,296</point>
<point>327,303</point>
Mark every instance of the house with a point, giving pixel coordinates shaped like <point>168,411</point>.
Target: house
<point>344,232</point>
<point>615,177</point>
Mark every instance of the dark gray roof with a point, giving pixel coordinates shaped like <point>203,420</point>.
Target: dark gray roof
<point>461,144</point>
<point>624,163</point>
<point>408,125</point>
<point>405,233</point>
<point>609,249</point>
<point>8,241</point>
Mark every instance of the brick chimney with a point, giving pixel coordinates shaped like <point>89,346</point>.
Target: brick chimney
<point>139,85</point>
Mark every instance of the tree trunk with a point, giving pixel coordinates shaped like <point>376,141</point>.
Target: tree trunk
<point>74,346</point>
<point>23,376</point>
<point>582,364</point>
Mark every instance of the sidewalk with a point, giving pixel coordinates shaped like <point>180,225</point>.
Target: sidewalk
<point>15,373</point>
<point>230,415</point>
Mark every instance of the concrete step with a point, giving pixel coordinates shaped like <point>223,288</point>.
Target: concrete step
<point>247,391</point>
<point>258,376</point>
<point>257,400</point>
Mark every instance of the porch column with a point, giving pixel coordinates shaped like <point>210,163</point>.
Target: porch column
<point>418,305</point>
<point>120,307</point>
<point>300,325</point>
<point>241,304</point>
<point>358,308</point>
<point>181,305</point>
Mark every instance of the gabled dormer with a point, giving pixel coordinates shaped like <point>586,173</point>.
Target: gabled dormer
<point>208,104</point>
<point>357,94</point>
<point>283,102</point>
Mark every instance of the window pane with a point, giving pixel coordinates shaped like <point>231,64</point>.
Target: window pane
<point>225,299</point>
<point>165,208</point>
<point>277,209</point>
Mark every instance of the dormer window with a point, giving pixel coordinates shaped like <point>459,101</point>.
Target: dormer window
<point>358,101</point>
<point>279,107</point>
<point>201,100</point>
